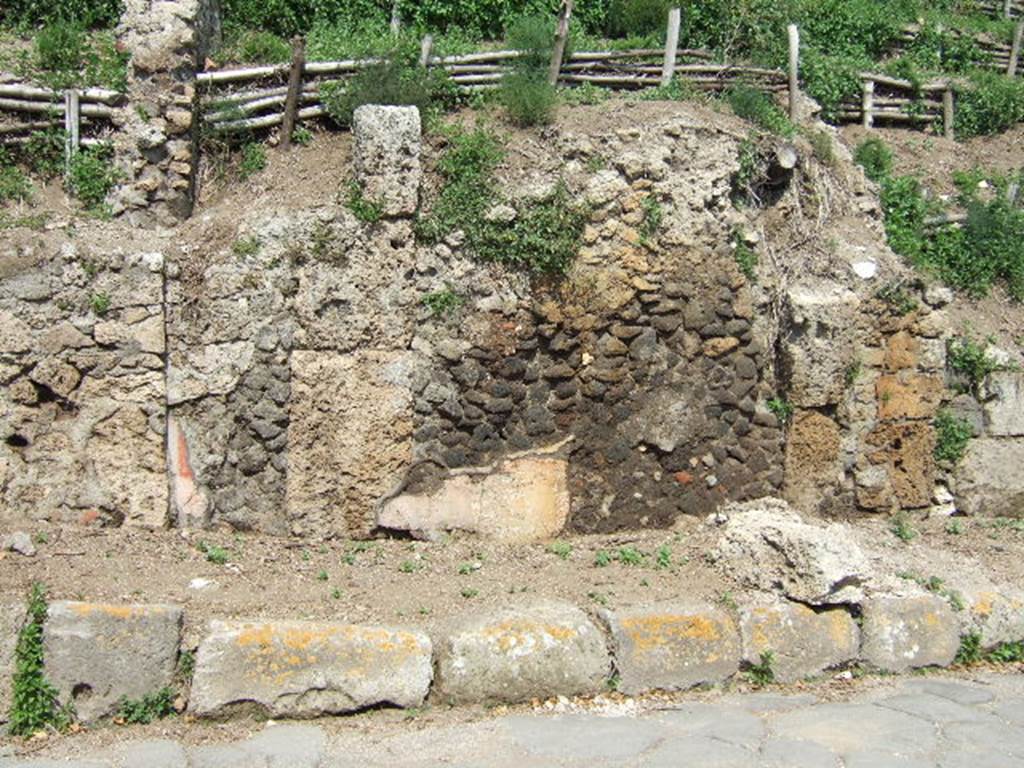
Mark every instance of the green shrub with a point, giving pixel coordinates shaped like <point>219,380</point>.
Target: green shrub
<point>782,410</point>
<point>831,79</point>
<point>993,103</point>
<point>31,13</point>
<point>971,359</point>
<point>762,673</point>
<point>526,94</point>
<point>44,152</point>
<point>364,209</point>
<point>627,18</point>
<point>443,303</point>
<point>253,46</point>
<point>92,175</point>
<point>393,81</point>
<point>34,703</point>
<point>951,436</point>
<point>14,184</point>
<point>759,108</point>
<point>905,211</point>
<point>254,159</point>
<point>746,258</point>
<point>66,55</point>
<point>875,158</point>
<point>152,706</point>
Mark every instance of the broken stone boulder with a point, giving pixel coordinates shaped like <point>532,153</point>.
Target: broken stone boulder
<point>995,613</point>
<point>672,646</point>
<point>988,479</point>
<point>519,500</point>
<point>305,669</point>
<point>516,654</point>
<point>803,643</point>
<point>387,156</point>
<point>769,547</point>
<point>901,633</point>
<point>98,654</point>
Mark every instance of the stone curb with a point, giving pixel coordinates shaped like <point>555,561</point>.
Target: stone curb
<point>518,653</point>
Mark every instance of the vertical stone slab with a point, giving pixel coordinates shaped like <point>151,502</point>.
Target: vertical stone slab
<point>387,156</point>
<point>349,438</point>
<point>157,144</point>
<point>12,617</point>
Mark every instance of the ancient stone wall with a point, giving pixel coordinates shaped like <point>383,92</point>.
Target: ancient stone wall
<point>288,377</point>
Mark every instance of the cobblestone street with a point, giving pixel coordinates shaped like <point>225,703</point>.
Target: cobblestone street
<point>915,723</point>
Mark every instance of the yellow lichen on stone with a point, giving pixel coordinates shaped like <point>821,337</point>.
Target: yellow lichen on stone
<point>649,633</point>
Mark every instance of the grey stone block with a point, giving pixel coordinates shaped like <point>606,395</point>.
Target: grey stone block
<point>518,653</point>
<point>97,654</point>
<point>304,669</point>
<point>901,633</point>
<point>673,646</point>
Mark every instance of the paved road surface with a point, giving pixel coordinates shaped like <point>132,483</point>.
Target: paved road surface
<point>918,723</point>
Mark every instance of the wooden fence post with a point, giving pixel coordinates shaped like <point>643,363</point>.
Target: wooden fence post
<point>868,104</point>
<point>561,38</point>
<point>1018,34</point>
<point>668,68</point>
<point>291,102</point>
<point>794,70</point>
<point>425,47</point>
<point>396,19</point>
<point>948,114</point>
<point>72,121</point>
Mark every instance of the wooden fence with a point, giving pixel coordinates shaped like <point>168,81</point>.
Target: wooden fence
<point>230,108</point>
<point>84,115</point>
<point>1003,57</point>
<point>1007,9</point>
<point>894,101</point>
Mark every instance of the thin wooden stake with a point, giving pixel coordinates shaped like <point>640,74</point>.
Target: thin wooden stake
<point>948,114</point>
<point>668,69</point>
<point>794,70</point>
<point>291,102</point>
<point>1007,6</point>
<point>868,105</point>
<point>72,123</point>
<point>396,19</point>
<point>561,39</point>
<point>1018,35</point>
<point>425,47</point>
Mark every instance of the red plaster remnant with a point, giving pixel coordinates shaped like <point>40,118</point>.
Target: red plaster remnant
<point>187,498</point>
<point>684,478</point>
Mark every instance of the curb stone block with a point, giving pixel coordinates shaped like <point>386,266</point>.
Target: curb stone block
<point>516,654</point>
<point>901,633</point>
<point>305,669</point>
<point>672,646</point>
<point>803,643</point>
<point>12,618</point>
<point>97,654</point>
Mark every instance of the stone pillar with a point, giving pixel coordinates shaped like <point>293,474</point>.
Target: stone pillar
<point>387,157</point>
<point>156,146</point>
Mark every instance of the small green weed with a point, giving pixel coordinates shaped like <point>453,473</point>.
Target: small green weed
<point>653,215</point>
<point>596,163</point>
<point>254,159</point>
<point>152,706</point>
<point>758,107</point>
<point>99,303</point>
<point>469,593</point>
<point>598,597</point>
<point>821,143</point>
<point>364,209</point>
<point>443,303</point>
<point>971,359</point>
<point>781,408</point>
<point>603,558</point>
<point>408,566</point>
<point>762,673</point>
<point>852,373</point>
<point>321,575</point>
<point>246,246</point>
<point>969,651</point>
<point>214,554</point>
<point>954,528</point>
<point>726,600</point>
<point>14,184</point>
<point>663,557</point>
<point>631,556</point>
<point>1007,653</point>
<point>875,158</point>
<point>951,436</point>
<point>302,136</point>
<point>561,548</point>
<point>92,175</point>
<point>897,297</point>
<point>901,528</point>
<point>746,258</point>
<point>186,665</point>
<point>34,703</point>
<point>336,594</point>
